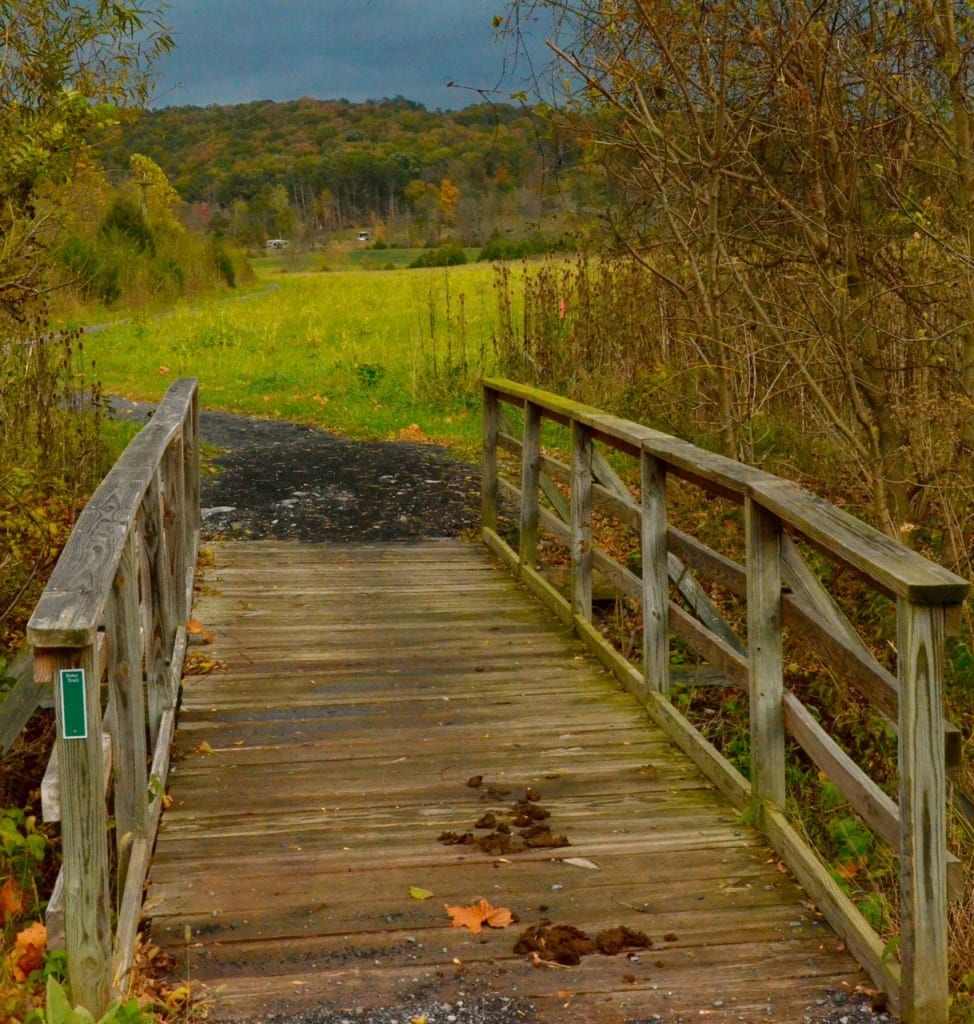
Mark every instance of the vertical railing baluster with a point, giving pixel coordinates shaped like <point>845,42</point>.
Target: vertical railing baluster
<point>530,479</point>
<point>581,521</point>
<point>159,612</point>
<point>127,707</point>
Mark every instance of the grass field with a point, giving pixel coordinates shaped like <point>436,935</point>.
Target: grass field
<point>361,353</point>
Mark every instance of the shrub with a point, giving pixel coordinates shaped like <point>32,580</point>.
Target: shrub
<point>451,255</point>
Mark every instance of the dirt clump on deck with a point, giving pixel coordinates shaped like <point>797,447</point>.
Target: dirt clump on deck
<point>512,830</point>
<point>565,944</point>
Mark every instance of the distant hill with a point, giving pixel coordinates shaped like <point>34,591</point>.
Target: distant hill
<point>342,163</point>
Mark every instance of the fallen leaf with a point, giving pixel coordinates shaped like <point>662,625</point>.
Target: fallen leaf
<point>163,370</point>
<point>204,748</point>
<point>851,868</point>
<point>479,914</point>
<point>414,432</point>
<point>11,900</point>
<point>28,952</point>
<point>581,862</point>
<point>198,633</point>
<point>419,894</point>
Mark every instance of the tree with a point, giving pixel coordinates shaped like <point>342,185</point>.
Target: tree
<point>65,71</point>
<point>798,180</point>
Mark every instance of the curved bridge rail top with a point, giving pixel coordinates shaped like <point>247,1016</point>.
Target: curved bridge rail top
<point>780,591</point>
<point>114,611</point>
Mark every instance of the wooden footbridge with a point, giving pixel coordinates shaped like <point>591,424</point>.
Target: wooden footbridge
<point>378,732</point>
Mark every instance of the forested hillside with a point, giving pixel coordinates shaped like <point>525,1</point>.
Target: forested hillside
<point>303,168</point>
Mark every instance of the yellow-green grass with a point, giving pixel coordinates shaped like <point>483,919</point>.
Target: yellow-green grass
<point>363,354</point>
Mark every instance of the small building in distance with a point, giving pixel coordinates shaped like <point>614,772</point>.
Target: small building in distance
<point>277,243</point>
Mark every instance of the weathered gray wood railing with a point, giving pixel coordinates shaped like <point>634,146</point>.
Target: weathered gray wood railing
<point>115,608</point>
<point>781,592</point>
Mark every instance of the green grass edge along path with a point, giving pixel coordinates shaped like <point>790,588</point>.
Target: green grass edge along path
<point>364,354</point>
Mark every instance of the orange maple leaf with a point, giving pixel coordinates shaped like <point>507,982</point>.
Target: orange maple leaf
<point>11,900</point>
<point>28,952</point>
<point>479,914</point>
<point>198,632</point>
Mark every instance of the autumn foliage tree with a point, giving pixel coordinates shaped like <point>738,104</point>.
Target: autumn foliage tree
<point>65,70</point>
<point>796,180</point>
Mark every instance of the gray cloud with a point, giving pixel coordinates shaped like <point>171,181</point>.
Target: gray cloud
<point>234,51</point>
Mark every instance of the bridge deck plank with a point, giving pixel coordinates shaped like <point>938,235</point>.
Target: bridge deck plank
<point>363,686</point>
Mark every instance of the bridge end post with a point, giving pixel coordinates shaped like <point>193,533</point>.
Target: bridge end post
<point>924,992</point>
<point>84,828</point>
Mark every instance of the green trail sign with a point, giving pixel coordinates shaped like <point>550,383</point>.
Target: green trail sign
<point>74,715</point>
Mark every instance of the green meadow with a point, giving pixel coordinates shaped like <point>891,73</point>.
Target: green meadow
<point>362,353</point>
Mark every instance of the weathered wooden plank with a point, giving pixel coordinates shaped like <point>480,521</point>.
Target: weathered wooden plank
<point>764,641</point>
<point>488,482</point>
<point>51,781</point>
<point>710,646</point>
<point>878,810</point>
<point>923,825</point>
<point>530,477</point>
<point>84,826</point>
<point>21,700</point>
<point>838,909</point>
<point>581,521</point>
<point>127,707</point>
<point>326,828</point>
<point>655,588</point>
<point>70,609</point>
<point>890,566</point>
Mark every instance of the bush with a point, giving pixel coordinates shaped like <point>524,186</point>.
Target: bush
<point>451,255</point>
<point>500,248</point>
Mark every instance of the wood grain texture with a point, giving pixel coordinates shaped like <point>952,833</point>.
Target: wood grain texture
<point>581,520</point>
<point>363,687</point>
<point>70,610</point>
<point>923,825</point>
<point>764,642</point>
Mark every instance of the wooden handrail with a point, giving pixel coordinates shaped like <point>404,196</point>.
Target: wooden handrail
<point>114,612</point>
<point>779,589</point>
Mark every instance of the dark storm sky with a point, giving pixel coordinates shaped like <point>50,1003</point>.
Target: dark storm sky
<point>234,51</point>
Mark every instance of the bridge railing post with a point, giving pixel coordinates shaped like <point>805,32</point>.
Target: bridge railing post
<point>488,482</point>
<point>764,645</point>
<point>84,824</point>
<point>923,825</point>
